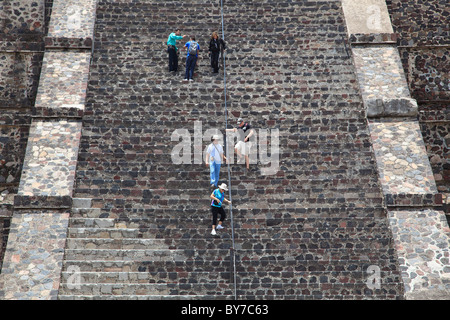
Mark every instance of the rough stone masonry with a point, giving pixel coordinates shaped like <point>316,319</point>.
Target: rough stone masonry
<point>420,232</point>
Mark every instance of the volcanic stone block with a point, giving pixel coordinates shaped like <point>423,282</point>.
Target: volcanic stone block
<point>71,24</point>
<point>402,159</point>
<point>63,84</point>
<point>33,259</point>
<point>22,17</point>
<point>422,242</point>
<point>367,16</point>
<point>50,161</point>
<point>380,73</point>
<point>401,107</point>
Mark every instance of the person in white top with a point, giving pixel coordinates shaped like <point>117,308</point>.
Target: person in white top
<point>214,158</point>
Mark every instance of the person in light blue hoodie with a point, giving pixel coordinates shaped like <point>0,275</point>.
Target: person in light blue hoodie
<point>173,50</point>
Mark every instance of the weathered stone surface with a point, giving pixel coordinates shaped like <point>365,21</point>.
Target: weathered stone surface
<point>402,162</point>
<point>50,160</point>
<point>32,264</point>
<point>373,38</point>
<point>424,38</point>
<point>380,73</point>
<point>24,17</point>
<point>366,16</point>
<point>305,232</point>
<point>63,84</point>
<point>402,107</point>
<point>73,19</point>
<point>422,240</point>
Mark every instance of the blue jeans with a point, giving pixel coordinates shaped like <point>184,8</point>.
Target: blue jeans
<point>190,66</point>
<point>214,171</point>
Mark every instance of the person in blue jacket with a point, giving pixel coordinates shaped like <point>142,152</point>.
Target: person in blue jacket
<point>192,48</point>
<point>218,197</point>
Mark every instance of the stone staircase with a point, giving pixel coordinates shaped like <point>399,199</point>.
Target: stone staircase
<point>310,231</point>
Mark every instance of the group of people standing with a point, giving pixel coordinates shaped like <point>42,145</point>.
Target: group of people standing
<point>214,153</point>
<point>192,47</point>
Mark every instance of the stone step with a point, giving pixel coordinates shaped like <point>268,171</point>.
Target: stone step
<point>203,232</point>
<point>309,224</point>
<point>252,203</point>
<point>141,160</point>
<point>311,65</point>
<point>243,278</point>
<point>328,217</point>
<point>144,297</point>
<point>144,243</point>
<point>287,146</point>
<point>263,256</point>
<point>119,208</point>
<point>222,289</point>
<point>166,198</point>
<point>286,122</point>
<point>145,254</point>
<point>386,261</point>
<point>145,174</point>
<point>299,77</point>
<point>308,101</point>
<point>162,152</point>
<point>119,118</point>
<point>242,225</point>
<point>313,110</point>
<point>147,277</point>
<point>315,295</point>
<point>249,241</point>
<point>210,289</point>
<point>199,188</point>
<point>315,175</point>
<point>287,136</point>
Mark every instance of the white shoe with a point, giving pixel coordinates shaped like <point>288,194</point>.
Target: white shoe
<point>219,227</point>
<point>213,232</point>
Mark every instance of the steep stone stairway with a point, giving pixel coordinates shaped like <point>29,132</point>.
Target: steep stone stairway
<point>309,231</point>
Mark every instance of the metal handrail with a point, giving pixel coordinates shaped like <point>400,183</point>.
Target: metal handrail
<point>232,250</point>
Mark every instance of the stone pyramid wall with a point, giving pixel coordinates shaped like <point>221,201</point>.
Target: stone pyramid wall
<point>103,211</point>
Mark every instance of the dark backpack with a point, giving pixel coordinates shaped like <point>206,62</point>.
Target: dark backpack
<point>193,48</point>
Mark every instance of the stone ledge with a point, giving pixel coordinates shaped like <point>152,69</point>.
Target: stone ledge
<point>63,84</point>
<point>68,43</point>
<point>385,107</point>
<point>32,37</point>
<point>413,200</point>
<point>14,45</point>
<point>373,38</point>
<point>428,294</point>
<point>42,202</point>
<point>66,112</point>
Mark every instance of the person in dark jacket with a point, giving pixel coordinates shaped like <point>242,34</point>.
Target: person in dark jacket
<point>216,45</point>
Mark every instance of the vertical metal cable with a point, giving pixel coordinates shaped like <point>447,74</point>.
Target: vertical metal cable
<point>232,251</point>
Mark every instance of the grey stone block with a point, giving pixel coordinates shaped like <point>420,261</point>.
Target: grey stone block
<point>81,203</point>
<point>387,107</point>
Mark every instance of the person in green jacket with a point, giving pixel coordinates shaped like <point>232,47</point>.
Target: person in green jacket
<point>173,50</point>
